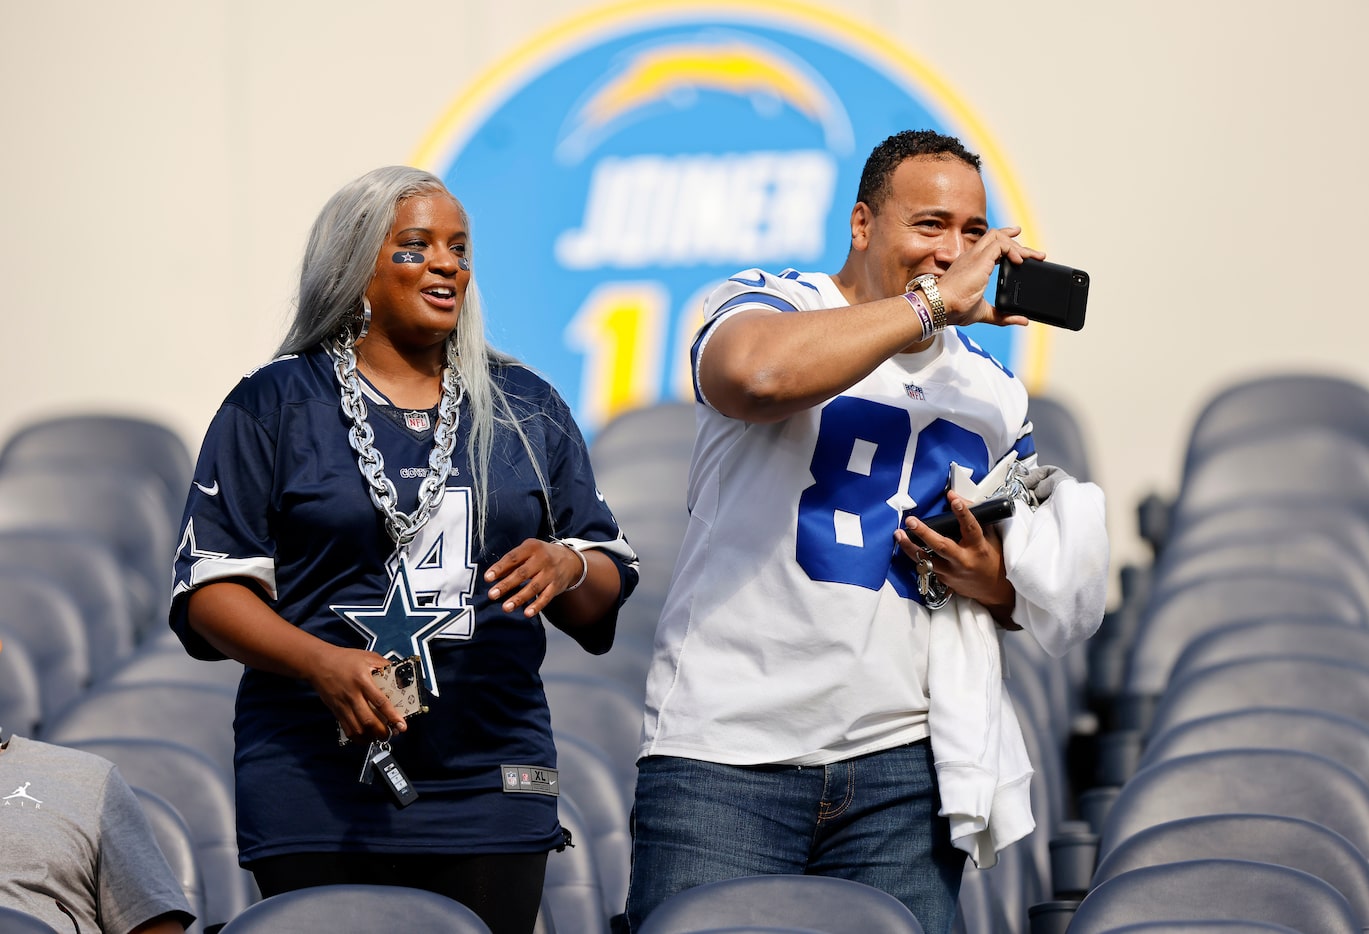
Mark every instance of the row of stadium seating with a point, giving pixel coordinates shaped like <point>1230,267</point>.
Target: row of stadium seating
<point>88,510</point>
<point>1230,784</point>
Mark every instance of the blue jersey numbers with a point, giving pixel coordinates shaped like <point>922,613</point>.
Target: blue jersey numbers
<point>865,456</point>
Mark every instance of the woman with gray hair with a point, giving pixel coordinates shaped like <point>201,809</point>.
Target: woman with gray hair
<point>381,517</point>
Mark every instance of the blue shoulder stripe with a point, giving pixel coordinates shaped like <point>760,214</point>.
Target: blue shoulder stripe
<point>758,282</point>
<point>794,274</point>
<point>974,348</point>
<point>747,298</point>
<point>755,298</point>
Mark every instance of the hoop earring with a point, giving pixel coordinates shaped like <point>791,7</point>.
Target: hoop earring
<point>365,317</point>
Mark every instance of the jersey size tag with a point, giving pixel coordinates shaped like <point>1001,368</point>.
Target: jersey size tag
<point>530,779</point>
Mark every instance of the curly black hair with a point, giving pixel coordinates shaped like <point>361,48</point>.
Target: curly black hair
<point>879,169</point>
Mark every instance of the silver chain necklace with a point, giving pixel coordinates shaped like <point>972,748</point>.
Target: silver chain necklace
<point>402,527</point>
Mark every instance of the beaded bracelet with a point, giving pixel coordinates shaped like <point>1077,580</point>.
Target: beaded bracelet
<point>584,563</point>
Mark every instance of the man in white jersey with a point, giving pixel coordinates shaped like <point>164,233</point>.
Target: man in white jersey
<point>787,726</point>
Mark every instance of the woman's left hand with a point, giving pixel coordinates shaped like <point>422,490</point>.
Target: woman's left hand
<point>533,574</point>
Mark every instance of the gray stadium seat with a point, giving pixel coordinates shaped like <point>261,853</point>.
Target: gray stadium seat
<point>590,780</point>
<point>1059,436</point>
<point>1240,781</point>
<point>168,661</point>
<point>1255,407</point>
<point>1017,882</point>
<point>87,571</point>
<point>1313,462</point>
<point>1215,890</point>
<point>106,439</point>
<point>196,715</point>
<point>572,893</point>
<point>1274,635</point>
<point>641,464</point>
<point>601,713</point>
<point>119,508</point>
<point>1285,552</point>
<point>173,839</point>
<point>21,705</point>
<point>1265,838</point>
<point>625,664</point>
<point>1204,927</point>
<point>342,909</point>
<point>1175,618</point>
<point>37,612</point>
<point>1336,736</point>
<point>1308,682</point>
<point>979,910</point>
<point>810,903</point>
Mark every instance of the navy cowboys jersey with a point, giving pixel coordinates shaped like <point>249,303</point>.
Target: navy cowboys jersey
<point>279,501</point>
<point>793,631</point>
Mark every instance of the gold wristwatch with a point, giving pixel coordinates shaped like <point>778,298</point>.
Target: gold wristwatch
<point>927,284</point>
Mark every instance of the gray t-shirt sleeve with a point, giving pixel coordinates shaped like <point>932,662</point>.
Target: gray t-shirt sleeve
<point>134,882</point>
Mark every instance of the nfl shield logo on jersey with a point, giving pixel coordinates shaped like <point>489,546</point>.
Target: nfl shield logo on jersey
<point>417,421</point>
<point>914,391</point>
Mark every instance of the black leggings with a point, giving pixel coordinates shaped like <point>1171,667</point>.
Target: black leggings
<point>504,889</point>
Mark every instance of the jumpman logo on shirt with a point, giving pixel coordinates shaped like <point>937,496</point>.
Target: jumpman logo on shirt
<point>22,793</point>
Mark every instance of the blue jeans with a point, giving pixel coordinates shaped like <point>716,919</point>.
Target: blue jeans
<point>872,819</point>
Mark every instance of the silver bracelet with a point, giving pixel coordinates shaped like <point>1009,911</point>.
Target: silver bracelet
<point>584,563</point>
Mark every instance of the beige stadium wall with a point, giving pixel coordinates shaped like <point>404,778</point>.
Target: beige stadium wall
<point>1202,159</point>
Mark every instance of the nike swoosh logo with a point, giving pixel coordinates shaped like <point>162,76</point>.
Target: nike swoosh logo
<point>208,490</point>
<point>760,281</point>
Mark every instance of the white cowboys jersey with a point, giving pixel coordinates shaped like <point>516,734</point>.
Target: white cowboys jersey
<point>793,630</point>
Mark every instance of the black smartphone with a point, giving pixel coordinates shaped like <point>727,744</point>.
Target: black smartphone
<point>1043,291</point>
<point>947,524</point>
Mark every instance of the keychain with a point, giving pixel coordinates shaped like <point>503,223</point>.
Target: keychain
<point>935,594</point>
<point>380,760</point>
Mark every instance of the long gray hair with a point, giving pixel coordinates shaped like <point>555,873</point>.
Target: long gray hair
<point>340,260</point>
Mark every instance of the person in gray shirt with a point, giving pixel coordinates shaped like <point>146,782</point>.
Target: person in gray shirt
<point>77,848</point>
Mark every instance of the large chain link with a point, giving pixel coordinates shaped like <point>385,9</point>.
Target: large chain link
<point>401,527</point>
<point>1015,485</point>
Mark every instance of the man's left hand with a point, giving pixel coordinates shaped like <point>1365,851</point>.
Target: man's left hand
<point>972,567</point>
